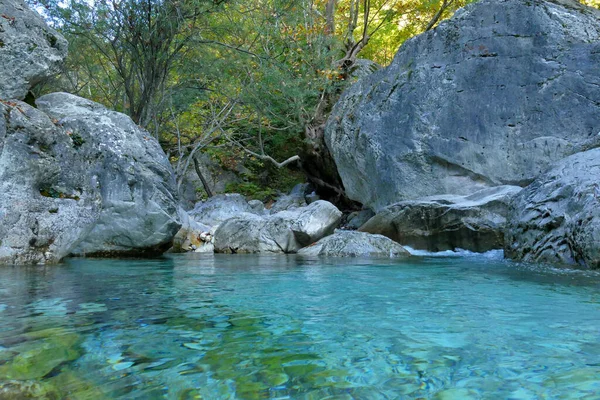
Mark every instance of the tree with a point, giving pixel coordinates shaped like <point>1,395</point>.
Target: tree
<point>135,45</point>
<point>235,76</point>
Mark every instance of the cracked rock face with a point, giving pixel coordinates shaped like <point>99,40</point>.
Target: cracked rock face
<point>492,96</point>
<point>438,223</point>
<point>30,51</point>
<point>78,178</point>
<point>557,217</point>
<point>46,207</point>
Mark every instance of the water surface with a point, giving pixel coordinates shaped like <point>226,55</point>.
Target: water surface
<point>253,327</point>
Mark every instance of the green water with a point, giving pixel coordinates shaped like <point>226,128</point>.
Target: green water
<point>282,327</point>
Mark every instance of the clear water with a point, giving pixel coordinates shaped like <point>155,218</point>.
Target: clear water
<point>225,327</point>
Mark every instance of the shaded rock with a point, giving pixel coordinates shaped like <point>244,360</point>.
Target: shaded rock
<point>294,199</point>
<point>557,217</point>
<point>284,232</point>
<point>439,223</point>
<point>30,51</point>
<point>357,219</point>
<point>355,244</point>
<point>48,202</point>
<point>129,170</point>
<point>312,197</point>
<point>74,177</point>
<point>219,208</point>
<point>490,97</point>
<point>258,207</point>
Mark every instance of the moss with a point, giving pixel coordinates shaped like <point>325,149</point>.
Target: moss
<point>52,40</point>
<point>41,353</point>
<point>251,190</point>
<point>56,194</point>
<point>78,141</point>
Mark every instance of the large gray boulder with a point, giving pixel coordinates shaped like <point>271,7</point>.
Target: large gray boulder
<point>77,178</point>
<point>355,244</point>
<point>131,172</point>
<point>48,203</point>
<point>251,233</point>
<point>492,96</point>
<point>30,51</point>
<point>557,218</point>
<point>283,232</point>
<point>475,222</point>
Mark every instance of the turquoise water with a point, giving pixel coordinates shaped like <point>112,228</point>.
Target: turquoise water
<point>252,327</point>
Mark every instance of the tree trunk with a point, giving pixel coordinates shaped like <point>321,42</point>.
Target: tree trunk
<point>207,188</point>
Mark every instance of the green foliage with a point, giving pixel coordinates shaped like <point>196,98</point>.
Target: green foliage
<point>410,18</point>
<point>251,191</point>
<point>78,141</point>
<point>231,75</point>
<point>592,3</point>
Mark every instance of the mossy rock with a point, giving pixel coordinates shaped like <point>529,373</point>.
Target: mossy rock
<point>247,388</point>
<point>74,387</point>
<point>20,390</point>
<point>273,378</point>
<point>44,351</point>
<point>187,323</point>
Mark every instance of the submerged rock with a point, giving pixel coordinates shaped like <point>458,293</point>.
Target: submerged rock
<point>355,244</point>
<point>19,390</point>
<point>30,51</point>
<point>40,353</point>
<point>283,232</point>
<point>439,223</point>
<point>557,218</point>
<point>357,219</point>
<point>490,97</point>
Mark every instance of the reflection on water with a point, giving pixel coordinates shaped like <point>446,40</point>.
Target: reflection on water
<point>252,327</point>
